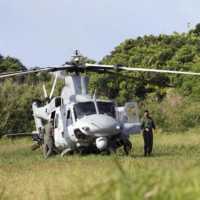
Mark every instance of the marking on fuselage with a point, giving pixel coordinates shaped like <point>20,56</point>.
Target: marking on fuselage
<point>95,125</point>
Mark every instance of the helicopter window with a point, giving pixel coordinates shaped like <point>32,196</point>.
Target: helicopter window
<point>57,101</point>
<point>107,108</point>
<point>56,120</point>
<point>68,114</point>
<point>83,109</point>
<point>53,114</point>
<point>69,118</point>
<point>131,114</point>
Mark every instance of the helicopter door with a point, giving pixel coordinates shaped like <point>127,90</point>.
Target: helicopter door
<point>130,119</point>
<point>57,129</point>
<point>56,136</point>
<point>60,121</point>
<point>69,118</point>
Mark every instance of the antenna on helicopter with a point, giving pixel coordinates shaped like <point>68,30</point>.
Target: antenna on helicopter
<point>54,84</point>
<point>77,56</point>
<point>95,92</point>
<point>76,60</point>
<point>45,94</point>
<point>52,90</point>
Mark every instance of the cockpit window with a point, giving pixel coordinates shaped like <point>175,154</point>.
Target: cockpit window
<point>83,109</point>
<point>107,108</point>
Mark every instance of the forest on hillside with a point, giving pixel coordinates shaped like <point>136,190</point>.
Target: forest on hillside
<point>174,108</point>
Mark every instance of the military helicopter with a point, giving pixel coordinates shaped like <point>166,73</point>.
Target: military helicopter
<point>83,123</point>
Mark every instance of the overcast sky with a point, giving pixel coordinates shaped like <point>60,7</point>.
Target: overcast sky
<point>44,32</point>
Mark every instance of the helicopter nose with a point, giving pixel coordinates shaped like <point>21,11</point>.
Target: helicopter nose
<point>99,125</point>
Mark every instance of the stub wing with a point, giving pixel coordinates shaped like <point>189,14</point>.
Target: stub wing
<point>20,135</point>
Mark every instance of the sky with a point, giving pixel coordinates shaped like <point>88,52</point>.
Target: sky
<point>46,32</point>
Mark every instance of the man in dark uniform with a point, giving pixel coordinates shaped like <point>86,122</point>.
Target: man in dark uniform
<point>48,138</point>
<point>147,124</point>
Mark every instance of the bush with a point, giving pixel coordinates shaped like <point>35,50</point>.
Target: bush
<point>174,113</point>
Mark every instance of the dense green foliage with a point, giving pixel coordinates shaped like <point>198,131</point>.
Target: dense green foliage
<point>179,52</point>
<point>172,109</point>
<point>10,64</point>
<point>16,114</point>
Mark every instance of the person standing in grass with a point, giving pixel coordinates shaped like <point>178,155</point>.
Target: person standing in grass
<point>147,124</point>
<point>48,138</point>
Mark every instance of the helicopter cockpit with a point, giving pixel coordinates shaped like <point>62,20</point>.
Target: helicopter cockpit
<point>82,109</point>
<point>107,108</point>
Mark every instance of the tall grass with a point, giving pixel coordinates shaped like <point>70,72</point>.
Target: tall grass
<point>172,173</point>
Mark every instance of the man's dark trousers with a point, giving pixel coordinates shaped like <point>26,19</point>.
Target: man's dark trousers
<point>148,142</point>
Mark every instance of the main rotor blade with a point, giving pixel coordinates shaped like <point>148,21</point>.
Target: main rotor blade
<point>50,69</point>
<point>10,72</point>
<point>20,134</point>
<point>90,66</point>
<point>133,78</point>
<point>141,80</point>
<point>159,70</point>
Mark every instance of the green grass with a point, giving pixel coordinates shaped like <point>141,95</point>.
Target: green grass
<point>172,173</point>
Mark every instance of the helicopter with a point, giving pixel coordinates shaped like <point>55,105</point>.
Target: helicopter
<point>82,122</point>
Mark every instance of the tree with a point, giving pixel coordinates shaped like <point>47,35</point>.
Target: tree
<point>10,64</point>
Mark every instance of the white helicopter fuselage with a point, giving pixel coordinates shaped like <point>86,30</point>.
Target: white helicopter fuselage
<point>84,122</point>
<point>86,129</point>
<point>79,125</point>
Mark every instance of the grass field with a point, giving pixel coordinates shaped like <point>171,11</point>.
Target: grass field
<point>172,173</point>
